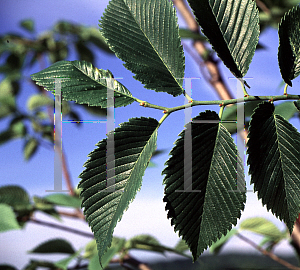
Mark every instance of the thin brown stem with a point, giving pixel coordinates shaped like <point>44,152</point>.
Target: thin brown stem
<point>70,214</point>
<point>267,253</point>
<point>262,6</point>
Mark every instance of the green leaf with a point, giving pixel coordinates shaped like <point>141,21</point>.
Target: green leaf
<point>85,54</point>
<point>83,83</point>
<point>297,104</point>
<point>230,113</point>
<point>274,159</point>
<point>63,264</point>
<point>145,35</point>
<point>63,200</point>
<point>289,45</point>
<point>105,196</point>
<point>30,148</point>
<point>42,205</point>
<point>186,33</point>
<point>116,246</point>
<point>17,128</point>
<point>90,249</point>
<point>7,105</point>
<point>54,246</point>
<point>28,25</point>
<point>181,246</point>
<point>149,243</point>
<point>13,195</point>
<point>8,219</point>
<point>7,97</point>
<point>7,267</point>
<point>6,136</point>
<point>286,109</point>
<point>217,246</point>
<point>34,265</point>
<point>232,28</point>
<point>217,198</point>
<point>98,40</point>
<point>262,226</point>
<point>145,242</point>
<point>37,101</point>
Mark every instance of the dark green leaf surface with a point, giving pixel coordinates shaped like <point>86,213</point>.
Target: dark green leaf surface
<point>289,45</point>
<point>104,202</point>
<point>54,246</point>
<point>232,28</point>
<point>145,35</point>
<point>7,267</point>
<point>83,83</point>
<point>13,195</point>
<point>274,159</point>
<point>203,217</point>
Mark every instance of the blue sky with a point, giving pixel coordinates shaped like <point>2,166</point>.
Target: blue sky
<point>36,176</point>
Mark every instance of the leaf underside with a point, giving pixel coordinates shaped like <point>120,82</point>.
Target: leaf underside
<point>232,27</point>
<point>145,35</point>
<point>203,217</point>
<point>274,160</point>
<point>110,181</point>
<point>289,45</point>
<point>83,83</point>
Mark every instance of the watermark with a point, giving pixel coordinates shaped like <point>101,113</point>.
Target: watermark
<point>110,142</point>
<point>57,139</point>
<point>188,163</point>
<point>110,146</point>
<point>240,125</point>
<point>240,141</point>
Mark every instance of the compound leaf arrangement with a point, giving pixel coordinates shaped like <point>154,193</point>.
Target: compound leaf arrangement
<point>205,190</point>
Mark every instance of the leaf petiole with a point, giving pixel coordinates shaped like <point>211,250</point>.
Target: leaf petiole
<point>285,89</point>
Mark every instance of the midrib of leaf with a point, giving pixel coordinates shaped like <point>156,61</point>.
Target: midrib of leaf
<point>139,27</point>
<point>114,204</point>
<point>234,45</point>
<point>151,43</point>
<point>127,185</point>
<point>123,200</point>
<point>98,82</point>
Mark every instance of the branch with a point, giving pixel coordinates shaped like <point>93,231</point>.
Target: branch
<point>262,6</point>
<point>269,254</point>
<point>127,259</point>
<point>61,227</point>
<point>233,101</point>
